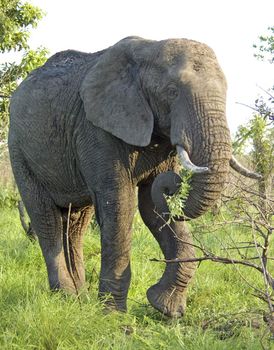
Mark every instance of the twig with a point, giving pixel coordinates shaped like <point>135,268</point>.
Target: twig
<point>265,91</point>
<point>214,258</point>
<point>245,105</point>
<point>237,248</point>
<point>243,277</point>
<point>268,282</point>
<point>68,254</point>
<point>175,235</point>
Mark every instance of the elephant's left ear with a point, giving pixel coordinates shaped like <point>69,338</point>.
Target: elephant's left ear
<point>113,98</point>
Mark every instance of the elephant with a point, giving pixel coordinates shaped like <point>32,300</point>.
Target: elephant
<point>88,129</point>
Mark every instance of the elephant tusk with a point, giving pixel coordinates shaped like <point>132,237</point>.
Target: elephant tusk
<point>242,170</point>
<point>187,163</point>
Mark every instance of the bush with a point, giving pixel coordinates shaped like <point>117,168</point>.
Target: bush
<point>9,197</point>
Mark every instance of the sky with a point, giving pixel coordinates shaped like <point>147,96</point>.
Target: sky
<point>229,27</point>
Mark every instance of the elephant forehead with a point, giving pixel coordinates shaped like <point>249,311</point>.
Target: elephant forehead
<point>186,59</point>
<point>180,50</point>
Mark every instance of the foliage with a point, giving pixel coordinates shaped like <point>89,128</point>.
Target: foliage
<point>256,138</point>
<point>16,21</point>
<point>176,203</point>
<point>265,49</point>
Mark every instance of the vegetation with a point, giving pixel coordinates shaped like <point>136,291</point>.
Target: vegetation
<point>176,203</point>
<point>256,139</point>
<point>222,313</point>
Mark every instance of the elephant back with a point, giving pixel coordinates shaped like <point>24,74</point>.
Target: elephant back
<point>65,64</point>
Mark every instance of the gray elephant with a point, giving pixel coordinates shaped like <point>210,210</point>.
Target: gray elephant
<point>87,129</point>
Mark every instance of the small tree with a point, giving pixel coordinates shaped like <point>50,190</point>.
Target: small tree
<point>257,138</point>
<point>258,134</point>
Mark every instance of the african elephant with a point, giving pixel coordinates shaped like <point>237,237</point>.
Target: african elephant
<point>86,129</point>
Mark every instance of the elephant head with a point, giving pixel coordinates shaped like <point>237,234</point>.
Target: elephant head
<point>176,89</point>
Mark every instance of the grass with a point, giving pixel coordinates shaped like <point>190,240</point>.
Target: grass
<point>221,312</point>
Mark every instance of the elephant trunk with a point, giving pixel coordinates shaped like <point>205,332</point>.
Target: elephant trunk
<point>209,149</point>
<point>206,188</point>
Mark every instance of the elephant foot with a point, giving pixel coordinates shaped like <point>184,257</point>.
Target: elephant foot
<point>171,302</point>
<point>113,291</point>
<point>67,283</point>
<point>68,288</point>
<point>111,303</point>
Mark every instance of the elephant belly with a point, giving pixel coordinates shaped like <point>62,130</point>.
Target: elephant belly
<point>62,179</point>
<point>76,200</point>
<point>67,190</point>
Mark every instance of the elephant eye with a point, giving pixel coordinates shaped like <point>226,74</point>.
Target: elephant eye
<point>172,92</point>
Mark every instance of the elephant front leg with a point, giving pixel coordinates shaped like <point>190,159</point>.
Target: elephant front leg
<point>115,213</point>
<point>169,294</point>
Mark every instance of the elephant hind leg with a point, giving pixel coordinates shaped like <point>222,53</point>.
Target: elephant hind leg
<point>73,233</point>
<point>47,221</point>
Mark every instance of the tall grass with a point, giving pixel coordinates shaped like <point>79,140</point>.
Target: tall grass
<point>221,312</point>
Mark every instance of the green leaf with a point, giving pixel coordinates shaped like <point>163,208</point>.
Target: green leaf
<point>176,203</point>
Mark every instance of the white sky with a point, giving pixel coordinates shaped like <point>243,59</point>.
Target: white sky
<point>230,27</point>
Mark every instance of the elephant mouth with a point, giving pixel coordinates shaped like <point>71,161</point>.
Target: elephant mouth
<point>206,185</point>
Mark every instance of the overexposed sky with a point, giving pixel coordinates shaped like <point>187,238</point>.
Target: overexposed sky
<point>229,27</point>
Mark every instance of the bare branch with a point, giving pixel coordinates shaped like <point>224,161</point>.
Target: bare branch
<point>265,91</point>
<point>214,258</point>
<point>68,253</point>
<point>245,105</point>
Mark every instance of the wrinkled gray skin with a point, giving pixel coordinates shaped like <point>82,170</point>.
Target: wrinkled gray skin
<point>87,129</point>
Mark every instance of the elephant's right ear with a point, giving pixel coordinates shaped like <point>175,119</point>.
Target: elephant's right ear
<point>113,98</point>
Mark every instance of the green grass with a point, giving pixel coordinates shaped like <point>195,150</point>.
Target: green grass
<point>222,313</point>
